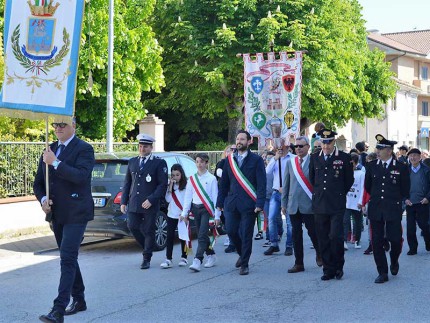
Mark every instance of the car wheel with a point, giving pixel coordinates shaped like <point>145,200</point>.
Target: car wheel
<point>160,231</point>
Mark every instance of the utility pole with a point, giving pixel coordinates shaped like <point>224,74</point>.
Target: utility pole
<point>109,115</point>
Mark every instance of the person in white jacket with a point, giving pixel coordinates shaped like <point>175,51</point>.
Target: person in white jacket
<point>354,202</point>
<point>175,197</point>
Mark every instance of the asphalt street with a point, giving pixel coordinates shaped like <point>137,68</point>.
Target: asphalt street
<point>119,291</point>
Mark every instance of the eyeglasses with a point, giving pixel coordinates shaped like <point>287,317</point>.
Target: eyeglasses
<point>326,142</point>
<point>62,125</point>
<point>300,146</point>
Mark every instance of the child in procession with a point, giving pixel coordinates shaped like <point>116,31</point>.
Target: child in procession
<point>175,197</point>
<point>200,197</point>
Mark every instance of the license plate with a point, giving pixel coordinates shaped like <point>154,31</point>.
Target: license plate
<point>99,201</point>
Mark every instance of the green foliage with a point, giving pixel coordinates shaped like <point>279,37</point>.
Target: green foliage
<point>342,78</point>
<point>211,146</point>
<point>137,68</point>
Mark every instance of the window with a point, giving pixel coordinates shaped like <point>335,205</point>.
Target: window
<point>189,165</point>
<point>425,108</point>
<point>424,72</point>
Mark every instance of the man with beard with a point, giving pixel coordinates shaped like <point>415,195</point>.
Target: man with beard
<point>331,175</point>
<point>242,193</point>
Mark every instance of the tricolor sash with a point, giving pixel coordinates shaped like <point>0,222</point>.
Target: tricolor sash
<point>301,178</point>
<point>203,195</point>
<point>241,179</point>
<point>209,206</point>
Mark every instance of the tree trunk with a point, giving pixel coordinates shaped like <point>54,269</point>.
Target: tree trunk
<point>234,125</point>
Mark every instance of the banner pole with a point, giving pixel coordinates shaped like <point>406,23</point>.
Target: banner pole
<point>46,165</point>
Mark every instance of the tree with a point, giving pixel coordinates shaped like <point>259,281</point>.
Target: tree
<point>342,78</point>
<point>137,68</point>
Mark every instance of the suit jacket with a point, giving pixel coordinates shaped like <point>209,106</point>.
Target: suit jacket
<point>233,194</point>
<point>142,183</point>
<point>387,188</point>
<point>69,184</point>
<point>294,198</point>
<point>331,180</point>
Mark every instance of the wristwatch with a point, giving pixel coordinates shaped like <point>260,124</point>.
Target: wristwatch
<point>55,163</point>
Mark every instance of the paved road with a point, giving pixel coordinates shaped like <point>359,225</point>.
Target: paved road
<point>118,291</point>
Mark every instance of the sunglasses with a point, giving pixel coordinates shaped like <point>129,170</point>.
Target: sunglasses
<point>62,125</point>
<point>299,146</point>
<point>326,142</point>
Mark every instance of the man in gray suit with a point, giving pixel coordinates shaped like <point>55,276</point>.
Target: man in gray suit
<point>297,201</point>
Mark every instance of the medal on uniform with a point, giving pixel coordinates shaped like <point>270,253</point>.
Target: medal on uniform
<point>336,174</point>
<point>148,178</point>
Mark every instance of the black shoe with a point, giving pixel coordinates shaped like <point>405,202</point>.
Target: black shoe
<point>238,263</point>
<point>53,316</point>
<point>327,277</point>
<point>288,251</point>
<point>75,307</point>
<point>271,250</point>
<point>382,278</point>
<point>145,264</point>
<point>369,250</point>
<point>319,261</point>
<point>230,249</point>
<point>296,269</point>
<point>428,246</point>
<point>386,245</point>
<point>258,236</point>
<point>244,270</point>
<point>394,268</point>
<point>412,252</point>
<point>339,274</point>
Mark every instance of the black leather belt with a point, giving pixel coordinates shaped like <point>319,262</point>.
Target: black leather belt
<point>198,206</point>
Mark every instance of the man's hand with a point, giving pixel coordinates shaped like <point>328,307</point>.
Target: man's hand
<point>257,210</point>
<point>220,209</point>
<point>424,201</point>
<point>279,153</point>
<point>46,207</point>
<point>123,208</point>
<point>409,203</point>
<point>146,205</point>
<point>217,222</point>
<point>183,218</point>
<point>49,156</point>
<point>284,210</point>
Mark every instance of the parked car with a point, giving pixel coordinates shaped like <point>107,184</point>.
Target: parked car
<point>106,184</point>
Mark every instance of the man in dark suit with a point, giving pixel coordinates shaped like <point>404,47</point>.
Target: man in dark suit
<point>331,175</point>
<point>145,185</point>
<point>387,182</point>
<point>70,207</point>
<point>243,189</point>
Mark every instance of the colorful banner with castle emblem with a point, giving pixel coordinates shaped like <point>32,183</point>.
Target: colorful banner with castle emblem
<point>273,97</point>
<point>41,42</point>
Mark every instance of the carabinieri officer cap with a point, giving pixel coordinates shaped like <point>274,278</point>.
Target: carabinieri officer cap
<point>326,135</point>
<point>382,143</point>
<point>145,139</point>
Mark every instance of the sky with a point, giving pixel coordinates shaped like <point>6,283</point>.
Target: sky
<point>396,15</point>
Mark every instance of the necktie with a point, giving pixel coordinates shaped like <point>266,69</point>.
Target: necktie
<point>301,161</point>
<point>385,165</point>
<point>325,157</point>
<point>60,148</point>
<point>142,161</point>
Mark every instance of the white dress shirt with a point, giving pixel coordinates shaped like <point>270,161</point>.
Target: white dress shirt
<point>173,211</point>
<point>273,168</point>
<point>210,185</point>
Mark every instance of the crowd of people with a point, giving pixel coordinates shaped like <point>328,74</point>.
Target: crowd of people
<point>307,182</point>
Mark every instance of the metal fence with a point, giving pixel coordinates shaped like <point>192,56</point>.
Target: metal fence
<point>18,163</point>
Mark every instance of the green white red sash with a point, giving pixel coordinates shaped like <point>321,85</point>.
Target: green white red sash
<point>203,195</point>
<point>301,178</point>
<point>208,204</point>
<point>241,179</point>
